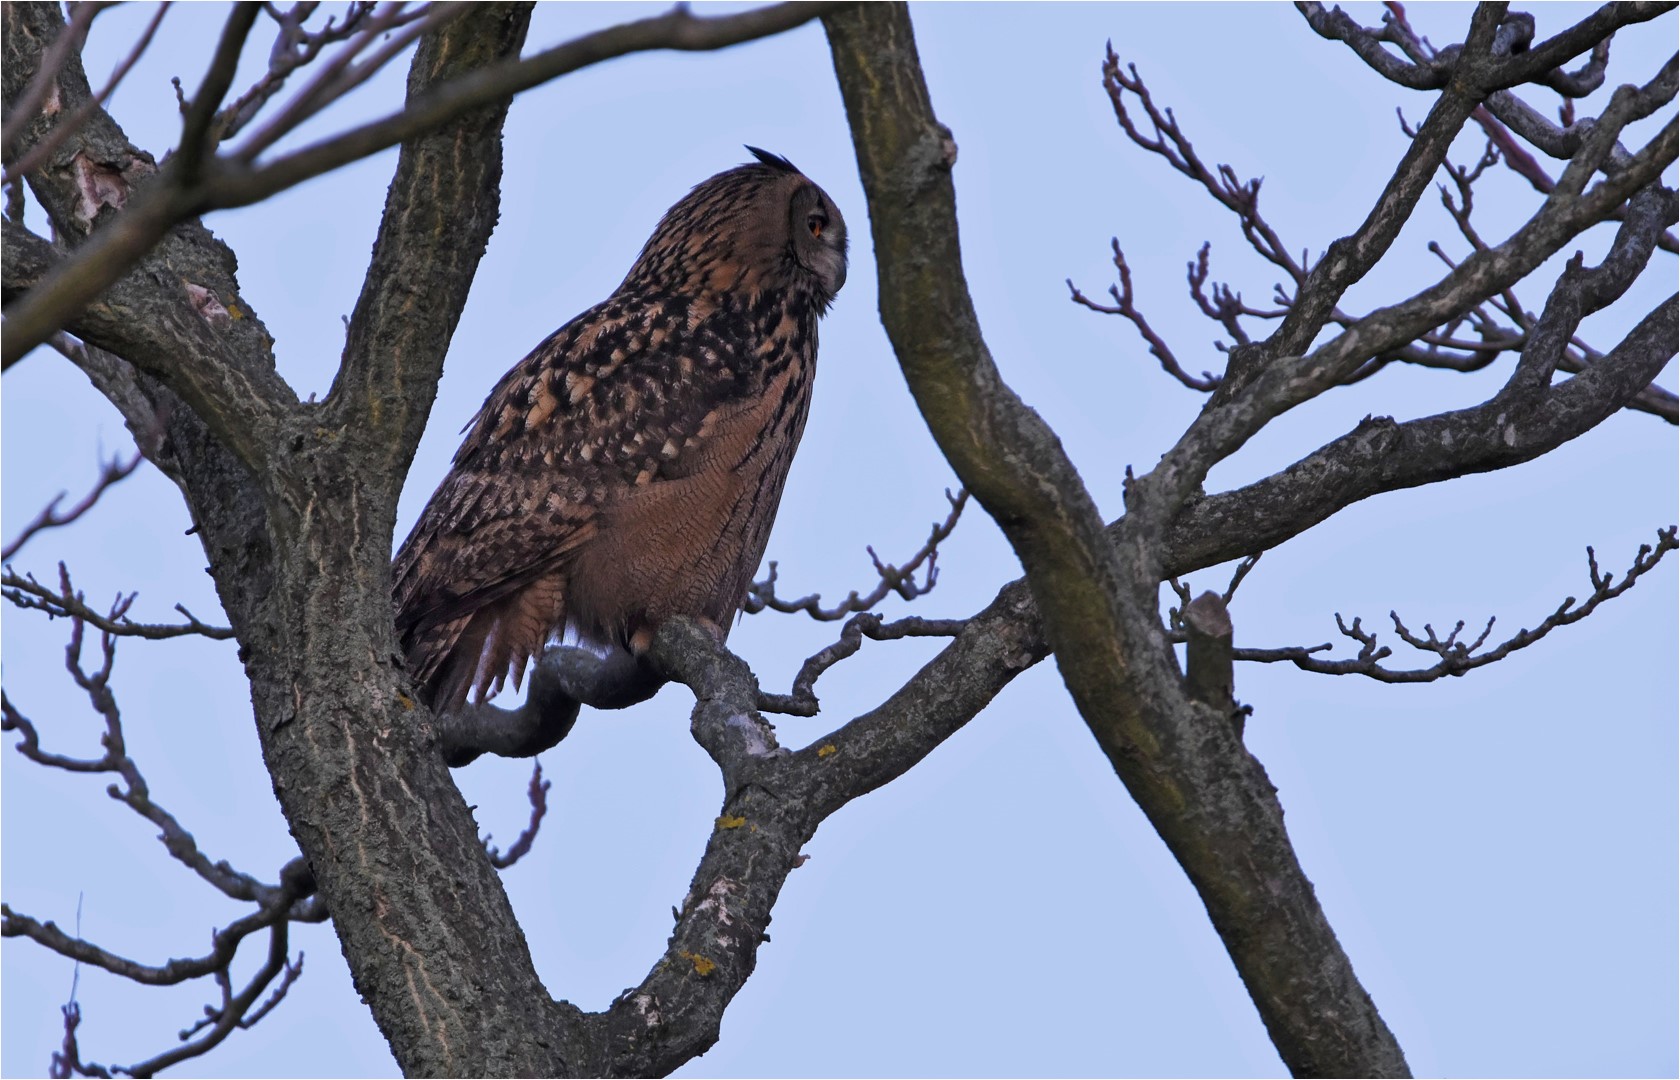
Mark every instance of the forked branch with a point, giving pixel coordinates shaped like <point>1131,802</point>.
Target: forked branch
<point>51,517</point>
<point>1455,657</point>
<point>1445,346</point>
<point>278,905</point>
<point>66,602</point>
<point>899,579</point>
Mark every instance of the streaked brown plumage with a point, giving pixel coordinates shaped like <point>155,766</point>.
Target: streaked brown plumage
<point>628,469</point>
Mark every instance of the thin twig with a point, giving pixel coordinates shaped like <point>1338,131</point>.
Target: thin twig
<point>802,701</point>
<point>1124,306</point>
<point>51,517</point>
<point>893,579</point>
<point>67,603</point>
<point>342,74</point>
<point>537,792</point>
<point>294,48</point>
<point>1457,657</point>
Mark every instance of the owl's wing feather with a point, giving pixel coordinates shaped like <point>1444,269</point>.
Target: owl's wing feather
<point>617,398</point>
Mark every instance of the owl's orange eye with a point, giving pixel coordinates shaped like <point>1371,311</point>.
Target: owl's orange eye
<point>817,223</point>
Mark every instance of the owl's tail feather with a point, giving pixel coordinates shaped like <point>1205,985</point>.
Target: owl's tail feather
<point>443,659</point>
<point>473,656</point>
<point>477,666</point>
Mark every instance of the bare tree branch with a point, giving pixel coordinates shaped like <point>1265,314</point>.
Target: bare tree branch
<point>343,74</point>
<point>1225,307</point>
<point>1223,427</point>
<point>134,792</point>
<point>1521,162</point>
<point>802,701</point>
<point>1431,72</point>
<point>278,905</point>
<point>893,579</point>
<point>51,517</point>
<point>1457,657</point>
<point>1510,110</point>
<point>1171,144</point>
<point>236,1011</point>
<point>1380,455</point>
<point>1124,306</point>
<point>67,603</point>
<point>180,191</point>
<point>537,791</point>
<point>1580,292</point>
<point>677,29</point>
<point>225,944</point>
<point>294,48</point>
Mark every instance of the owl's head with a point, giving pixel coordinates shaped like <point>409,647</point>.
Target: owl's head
<point>760,227</point>
<point>815,229</point>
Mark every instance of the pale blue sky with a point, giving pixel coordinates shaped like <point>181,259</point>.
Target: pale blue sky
<point>1496,852</point>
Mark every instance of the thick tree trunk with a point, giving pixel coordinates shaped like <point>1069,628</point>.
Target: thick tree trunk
<point>424,922</point>
<point>1182,760</point>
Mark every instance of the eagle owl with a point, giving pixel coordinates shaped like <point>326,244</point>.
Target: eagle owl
<point>628,469</point>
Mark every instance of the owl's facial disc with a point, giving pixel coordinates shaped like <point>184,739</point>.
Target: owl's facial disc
<point>819,238</point>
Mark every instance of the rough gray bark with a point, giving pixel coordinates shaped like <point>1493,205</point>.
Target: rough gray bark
<point>301,550</point>
<point>295,505</point>
<point>1181,759</point>
<point>1208,798</point>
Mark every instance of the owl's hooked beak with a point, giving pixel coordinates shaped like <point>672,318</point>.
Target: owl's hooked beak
<point>833,275</point>
<point>828,262</point>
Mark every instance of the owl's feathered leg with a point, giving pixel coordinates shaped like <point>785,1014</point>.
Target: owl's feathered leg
<point>641,639</point>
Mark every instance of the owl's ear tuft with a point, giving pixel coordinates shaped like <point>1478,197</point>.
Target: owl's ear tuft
<point>775,161</point>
